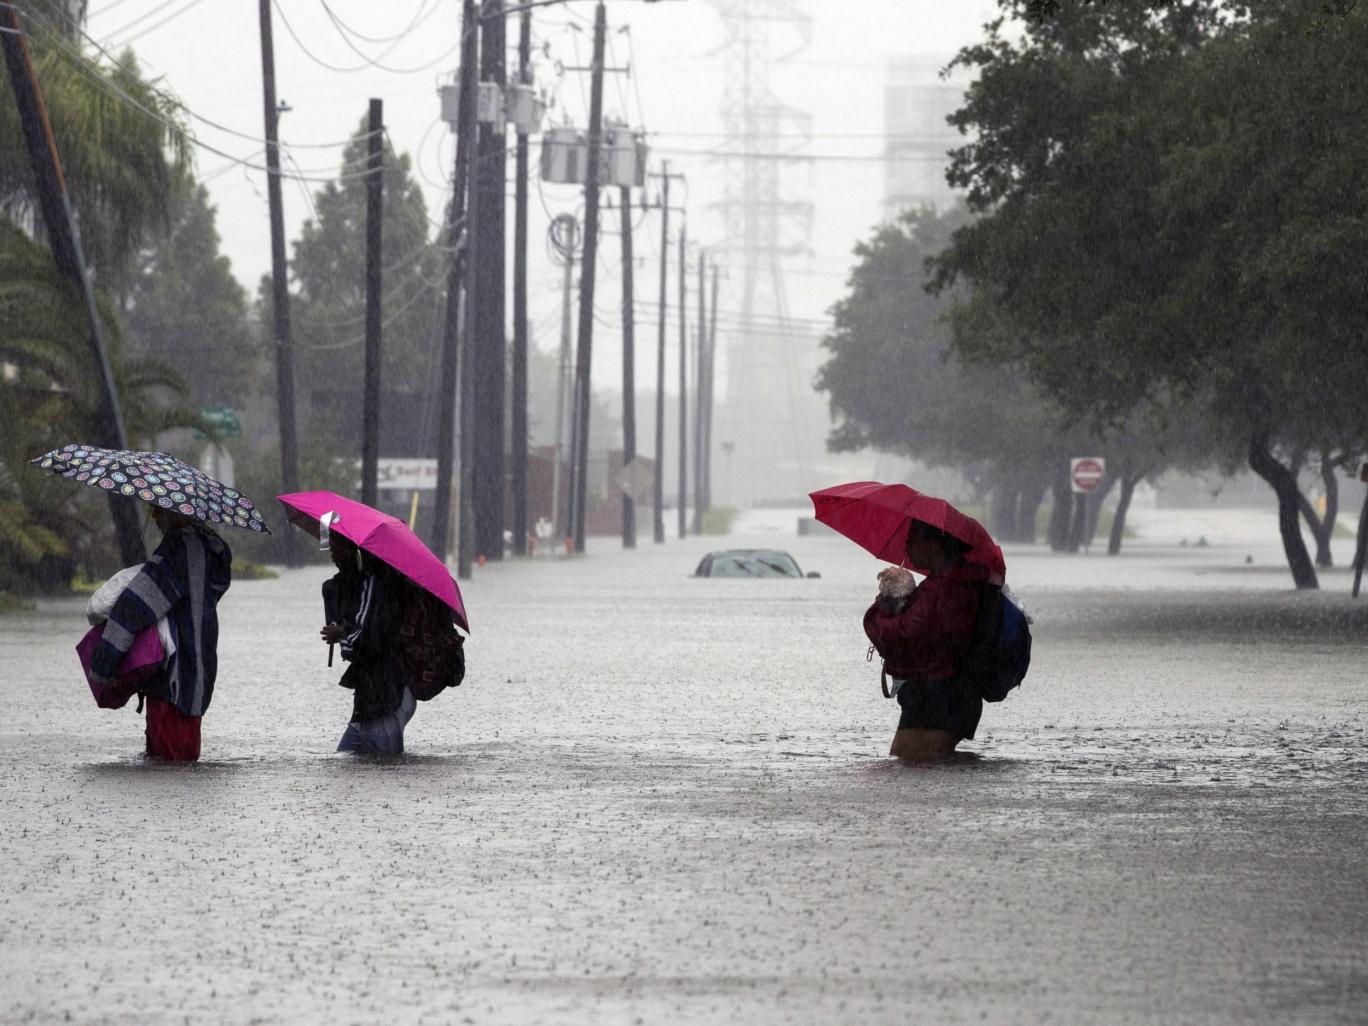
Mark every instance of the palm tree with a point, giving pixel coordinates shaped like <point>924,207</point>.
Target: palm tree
<point>122,147</point>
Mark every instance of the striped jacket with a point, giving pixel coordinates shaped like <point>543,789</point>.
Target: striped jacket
<point>183,581</point>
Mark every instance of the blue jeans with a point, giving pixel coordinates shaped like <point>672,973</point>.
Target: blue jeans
<point>383,735</point>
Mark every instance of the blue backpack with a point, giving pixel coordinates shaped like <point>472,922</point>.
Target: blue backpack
<point>1000,650</point>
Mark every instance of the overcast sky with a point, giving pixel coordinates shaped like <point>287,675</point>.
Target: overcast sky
<point>208,54</point>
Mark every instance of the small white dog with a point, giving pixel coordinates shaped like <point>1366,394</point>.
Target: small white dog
<point>897,586</point>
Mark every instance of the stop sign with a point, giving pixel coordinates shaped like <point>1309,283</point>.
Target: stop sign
<point>1086,472</point>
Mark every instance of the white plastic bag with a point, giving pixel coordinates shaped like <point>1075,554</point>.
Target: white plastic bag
<point>101,604</point>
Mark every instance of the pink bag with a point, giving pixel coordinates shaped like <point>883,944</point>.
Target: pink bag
<point>143,660</point>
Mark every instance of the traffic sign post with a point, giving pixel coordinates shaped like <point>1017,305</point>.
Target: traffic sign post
<point>1086,472</point>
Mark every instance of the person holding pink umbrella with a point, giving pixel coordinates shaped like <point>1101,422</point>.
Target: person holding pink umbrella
<point>362,604</point>
<point>390,607</point>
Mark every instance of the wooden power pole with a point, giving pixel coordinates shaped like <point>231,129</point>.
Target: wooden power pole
<point>280,290</point>
<point>579,491</point>
<point>375,212</point>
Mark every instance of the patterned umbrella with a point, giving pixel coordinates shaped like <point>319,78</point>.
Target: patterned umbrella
<point>157,478</point>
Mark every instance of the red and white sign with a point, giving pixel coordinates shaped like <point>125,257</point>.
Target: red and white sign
<point>1086,472</point>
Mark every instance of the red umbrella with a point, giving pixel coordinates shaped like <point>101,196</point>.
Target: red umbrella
<point>876,516</point>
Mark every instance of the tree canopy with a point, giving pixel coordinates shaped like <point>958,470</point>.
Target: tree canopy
<point>1169,209</point>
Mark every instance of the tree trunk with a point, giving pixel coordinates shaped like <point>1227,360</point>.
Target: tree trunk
<point>1331,482</point>
<point>1095,500</point>
<point>1032,495</point>
<point>1118,528</point>
<point>1284,485</point>
<point>1002,510</point>
<point>1057,534</point>
<point>1318,531</point>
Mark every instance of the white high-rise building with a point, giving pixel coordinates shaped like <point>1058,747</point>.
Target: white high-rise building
<point>916,103</point>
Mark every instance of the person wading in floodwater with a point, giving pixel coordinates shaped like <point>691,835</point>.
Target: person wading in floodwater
<point>924,632</point>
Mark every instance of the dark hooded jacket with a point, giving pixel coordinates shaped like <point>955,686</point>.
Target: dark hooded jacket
<point>367,605</point>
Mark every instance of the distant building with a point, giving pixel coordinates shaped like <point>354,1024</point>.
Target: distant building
<point>916,103</point>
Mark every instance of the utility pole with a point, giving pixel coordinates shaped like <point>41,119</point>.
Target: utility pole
<point>280,291</point>
<point>451,330</point>
<point>65,242</point>
<point>658,516</point>
<point>564,240</point>
<point>700,395</point>
<point>709,377</point>
<point>683,388</point>
<point>519,461</point>
<point>472,280</point>
<point>489,346</point>
<point>584,354</point>
<point>370,403</point>
<point>628,369</point>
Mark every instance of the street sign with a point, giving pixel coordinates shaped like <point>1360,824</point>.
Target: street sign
<point>223,419</point>
<point>1086,472</point>
<point>417,474</point>
<point>636,480</point>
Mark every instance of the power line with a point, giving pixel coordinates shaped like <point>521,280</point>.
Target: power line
<point>367,62</point>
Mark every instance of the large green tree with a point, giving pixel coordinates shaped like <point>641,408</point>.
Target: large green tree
<point>1169,212</point>
<point>183,306</point>
<point>122,152</point>
<point>328,303</point>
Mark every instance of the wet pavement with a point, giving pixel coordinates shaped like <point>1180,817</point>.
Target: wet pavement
<point>661,800</point>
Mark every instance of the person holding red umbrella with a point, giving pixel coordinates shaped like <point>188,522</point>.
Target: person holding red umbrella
<point>923,632</point>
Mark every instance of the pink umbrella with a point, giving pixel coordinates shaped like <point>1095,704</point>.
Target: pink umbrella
<point>876,516</point>
<point>386,538</point>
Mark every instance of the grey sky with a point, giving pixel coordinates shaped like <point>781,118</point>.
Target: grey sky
<point>208,53</point>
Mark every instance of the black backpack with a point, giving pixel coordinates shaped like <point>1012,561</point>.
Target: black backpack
<point>432,651</point>
<point>1000,649</point>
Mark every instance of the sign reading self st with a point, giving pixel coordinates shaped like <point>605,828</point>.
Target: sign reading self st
<point>1086,472</point>
<point>409,475</point>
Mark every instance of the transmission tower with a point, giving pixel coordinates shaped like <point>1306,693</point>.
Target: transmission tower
<point>763,136</point>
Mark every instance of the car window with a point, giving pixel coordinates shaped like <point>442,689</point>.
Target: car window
<point>753,564</point>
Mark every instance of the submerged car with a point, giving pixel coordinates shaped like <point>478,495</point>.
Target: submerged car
<point>749,563</point>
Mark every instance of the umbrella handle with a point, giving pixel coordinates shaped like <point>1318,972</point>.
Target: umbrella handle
<point>330,654</point>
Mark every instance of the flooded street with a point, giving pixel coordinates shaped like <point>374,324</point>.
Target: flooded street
<point>658,799</point>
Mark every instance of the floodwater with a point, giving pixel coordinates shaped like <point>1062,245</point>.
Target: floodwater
<point>664,800</point>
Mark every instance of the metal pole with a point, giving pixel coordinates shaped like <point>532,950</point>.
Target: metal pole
<point>280,291</point>
<point>628,369</point>
<point>584,356</point>
<point>705,453</point>
<point>370,404</point>
<point>451,330</point>
<point>683,389</point>
<point>700,357</point>
<point>65,241</point>
<point>519,413</point>
<point>658,517</point>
